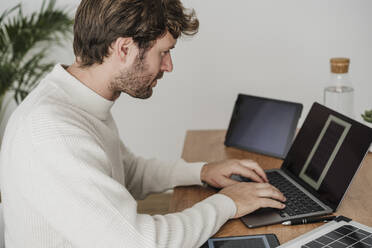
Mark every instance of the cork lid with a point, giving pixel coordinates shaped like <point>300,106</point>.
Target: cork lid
<point>340,65</point>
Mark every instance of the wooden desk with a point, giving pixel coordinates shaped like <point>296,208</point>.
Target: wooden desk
<point>207,145</point>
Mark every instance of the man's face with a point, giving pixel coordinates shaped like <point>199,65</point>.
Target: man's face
<point>139,79</point>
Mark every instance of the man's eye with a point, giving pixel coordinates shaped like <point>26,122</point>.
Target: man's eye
<point>164,53</point>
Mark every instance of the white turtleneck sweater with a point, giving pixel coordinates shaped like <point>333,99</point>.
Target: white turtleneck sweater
<point>67,180</point>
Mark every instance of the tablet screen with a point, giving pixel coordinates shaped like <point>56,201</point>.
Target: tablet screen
<point>239,242</point>
<point>263,125</point>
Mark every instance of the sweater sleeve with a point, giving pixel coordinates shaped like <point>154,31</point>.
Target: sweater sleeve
<point>67,182</point>
<point>145,176</point>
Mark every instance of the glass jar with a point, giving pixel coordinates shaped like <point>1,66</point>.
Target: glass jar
<point>339,92</point>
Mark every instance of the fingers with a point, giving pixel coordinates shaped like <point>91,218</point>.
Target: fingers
<point>269,196</point>
<point>249,197</point>
<point>245,172</point>
<point>265,190</point>
<point>268,191</point>
<point>223,182</point>
<point>255,167</point>
<point>270,203</point>
<point>218,174</point>
<point>227,181</point>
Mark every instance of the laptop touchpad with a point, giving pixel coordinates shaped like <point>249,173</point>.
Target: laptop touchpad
<point>262,217</point>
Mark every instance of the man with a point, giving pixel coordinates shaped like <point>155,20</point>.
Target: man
<point>68,180</point>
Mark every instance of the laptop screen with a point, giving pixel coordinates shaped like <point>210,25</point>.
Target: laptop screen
<point>263,125</point>
<point>327,153</point>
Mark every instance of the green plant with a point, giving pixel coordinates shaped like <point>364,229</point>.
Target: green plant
<point>24,43</point>
<point>367,116</point>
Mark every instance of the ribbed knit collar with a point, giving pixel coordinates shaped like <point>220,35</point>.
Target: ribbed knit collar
<point>80,95</point>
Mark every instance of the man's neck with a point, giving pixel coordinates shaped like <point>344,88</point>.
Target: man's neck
<point>95,77</point>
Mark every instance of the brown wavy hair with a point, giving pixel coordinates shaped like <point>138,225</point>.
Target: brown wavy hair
<point>98,23</point>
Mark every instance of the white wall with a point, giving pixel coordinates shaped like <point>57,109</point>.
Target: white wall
<point>270,48</point>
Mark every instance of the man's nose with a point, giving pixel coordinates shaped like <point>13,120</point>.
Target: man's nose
<point>167,64</point>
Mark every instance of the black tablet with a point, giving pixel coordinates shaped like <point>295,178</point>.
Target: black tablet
<point>263,125</point>
<point>256,241</point>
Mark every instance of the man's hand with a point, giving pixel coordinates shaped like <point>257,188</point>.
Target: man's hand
<point>217,174</point>
<point>249,197</point>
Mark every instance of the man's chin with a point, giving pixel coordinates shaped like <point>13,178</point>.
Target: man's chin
<point>145,96</point>
<point>142,95</point>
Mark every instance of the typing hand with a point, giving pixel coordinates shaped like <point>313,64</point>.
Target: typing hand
<point>217,174</point>
<point>249,197</point>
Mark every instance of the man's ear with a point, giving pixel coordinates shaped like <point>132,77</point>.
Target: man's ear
<point>122,47</point>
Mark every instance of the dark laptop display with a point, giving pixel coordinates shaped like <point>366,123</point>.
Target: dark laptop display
<point>327,153</point>
<point>319,167</point>
<point>263,125</point>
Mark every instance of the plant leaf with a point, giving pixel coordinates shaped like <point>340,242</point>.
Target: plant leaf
<point>24,43</point>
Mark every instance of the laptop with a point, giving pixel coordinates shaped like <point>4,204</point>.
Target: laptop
<point>318,169</point>
<point>341,232</point>
<point>263,125</point>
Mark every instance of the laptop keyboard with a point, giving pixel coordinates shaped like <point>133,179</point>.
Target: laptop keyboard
<point>297,201</point>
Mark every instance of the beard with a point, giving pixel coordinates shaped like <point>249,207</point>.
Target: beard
<point>135,81</point>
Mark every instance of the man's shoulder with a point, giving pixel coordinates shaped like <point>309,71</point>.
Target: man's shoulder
<point>42,103</point>
<point>49,116</point>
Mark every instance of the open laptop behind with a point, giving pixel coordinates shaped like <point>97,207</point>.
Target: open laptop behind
<point>319,167</point>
